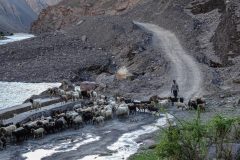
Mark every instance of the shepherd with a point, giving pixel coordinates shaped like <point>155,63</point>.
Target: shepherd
<point>175,89</point>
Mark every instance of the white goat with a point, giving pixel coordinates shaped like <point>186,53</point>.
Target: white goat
<point>78,121</point>
<point>164,103</point>
<point>61,92</point>
<point>94,95</point>
<point>75,96</point>
<point>8,130</point>
<point>107,114</point>
<point>122,110</point>
<point>36,103</point>
<point>181,105</point>
<point>38,132</point>
<point>98,120</point>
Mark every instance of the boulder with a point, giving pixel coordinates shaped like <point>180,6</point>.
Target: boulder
<point>88,86</point>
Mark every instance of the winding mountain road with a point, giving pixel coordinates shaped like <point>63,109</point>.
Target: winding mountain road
<point>183,67</point>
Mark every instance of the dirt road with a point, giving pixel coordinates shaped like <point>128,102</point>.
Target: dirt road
<point>183,67</point>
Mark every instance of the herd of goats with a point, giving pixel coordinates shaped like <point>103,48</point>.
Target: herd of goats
<point>98,109</point>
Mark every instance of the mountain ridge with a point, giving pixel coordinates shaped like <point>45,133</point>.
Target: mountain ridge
<point>18,15</point>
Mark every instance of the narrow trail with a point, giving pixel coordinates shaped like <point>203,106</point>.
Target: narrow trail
<point>183,67</point>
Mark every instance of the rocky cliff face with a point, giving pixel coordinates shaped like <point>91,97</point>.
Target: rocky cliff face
<point>15,16</point>
<point>70,12</point>
<point>39,5</point>
<point>226,38</point>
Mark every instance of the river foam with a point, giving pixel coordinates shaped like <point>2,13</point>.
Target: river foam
<point>126,145</point>
<point>66,146</point>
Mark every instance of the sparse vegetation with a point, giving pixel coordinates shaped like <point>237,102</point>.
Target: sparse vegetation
<point>192,140</point>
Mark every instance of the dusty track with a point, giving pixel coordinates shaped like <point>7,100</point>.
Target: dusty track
<point>183,67</point>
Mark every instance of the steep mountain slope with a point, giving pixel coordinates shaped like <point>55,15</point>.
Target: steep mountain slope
<point>69,12</point>
<point>39,5</point>
<point>83,43</point>
<point>15,16</point>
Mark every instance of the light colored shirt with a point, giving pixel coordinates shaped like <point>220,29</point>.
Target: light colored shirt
<point>175,87</point>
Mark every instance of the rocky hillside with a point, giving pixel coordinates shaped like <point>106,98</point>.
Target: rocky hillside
<point>78,42</point>
<point>70,12</point>
<point>39,5</point>
<point>226,38</point>
<point>15,16</point>
<point>81,54</point>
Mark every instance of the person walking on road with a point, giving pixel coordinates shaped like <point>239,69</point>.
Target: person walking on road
<point>175,89</point>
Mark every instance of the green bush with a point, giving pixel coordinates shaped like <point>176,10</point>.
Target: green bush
<point>145,155</point>
<point>191,140</point>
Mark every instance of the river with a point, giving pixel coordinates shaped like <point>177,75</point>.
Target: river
<point>14,93</point>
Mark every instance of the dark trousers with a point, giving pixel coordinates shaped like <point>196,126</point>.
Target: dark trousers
<point>175,93</point>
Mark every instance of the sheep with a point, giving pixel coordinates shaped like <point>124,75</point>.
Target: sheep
<point>77,121</point>
<point>101,101</point>
<point>53,91</point>
<point>77,106</point>
<point>48,118</point>
<point>200,101</point>
<point>38,132</point>
<point>3,142</point>
<point>195,102</point>
<point>61,92</point>
<point>122,110</point>
<point>152,108</point>
<point>31,124</point>
<point>75,96</point>
<point>64,98</point>
<point>93,95</point>
<point>42,122</point>
<point>181,105</point>
<point>113,104</point>
<point>98,120</point>
<point>8,130</point>
<point>164,103</point>
<point>71,114</point>
<point>35,104</point>
<point>154,98</point>
<point>95,106</point>
<point>78,90</point>
<point>87,117</point>
<point>102,97</point>
<point>83,110</point>
<point>107,114</point>
<point>202,107</point>
<point>60,123</point>
<point>120,99</point>
<point>192,104</point>
<point>132,108</point>
<point>109,107</point>
<point>69,94</point>
<point>141,107</point>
